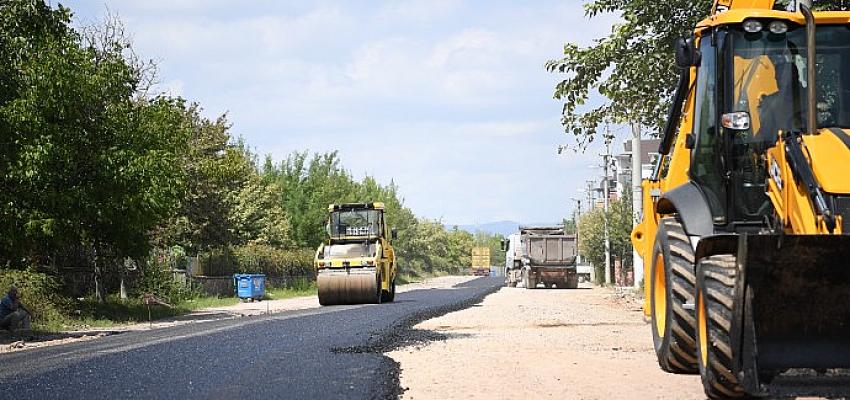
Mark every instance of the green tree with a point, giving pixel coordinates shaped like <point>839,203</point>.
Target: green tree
<point>570,226</point>
<point>633,67</point>
<point>213,171</point>
<point>592,229</point>
<point>88,163</point>
<point>309,185</point>
<point>256,213</point>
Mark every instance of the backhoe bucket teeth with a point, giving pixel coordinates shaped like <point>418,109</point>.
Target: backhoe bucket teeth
<point>797,308</point>
<point>348,286</point>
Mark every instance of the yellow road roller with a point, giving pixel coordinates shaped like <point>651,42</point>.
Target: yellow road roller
<point>357,265</point>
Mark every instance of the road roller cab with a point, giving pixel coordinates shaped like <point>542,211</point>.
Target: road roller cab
<point>357,265</point>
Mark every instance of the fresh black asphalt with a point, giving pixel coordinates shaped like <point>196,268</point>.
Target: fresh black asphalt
<point>326,353</point>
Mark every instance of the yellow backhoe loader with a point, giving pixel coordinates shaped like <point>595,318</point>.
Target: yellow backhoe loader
<point>747,215</point>
<point>357,265</point>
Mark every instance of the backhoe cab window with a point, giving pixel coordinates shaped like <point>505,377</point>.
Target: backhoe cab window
<point>356,223</point>
<point>768,81</point>
<point>706,167</point>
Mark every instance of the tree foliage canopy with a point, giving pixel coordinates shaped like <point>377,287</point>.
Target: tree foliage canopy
<point>591,230</point>
<point>632,68</point>
<point>84,160</point>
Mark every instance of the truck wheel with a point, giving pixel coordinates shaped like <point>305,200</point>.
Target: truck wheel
<point>715,304</point>
<point>673,284</point>
<point>572,282</point>
<point>528,281</point>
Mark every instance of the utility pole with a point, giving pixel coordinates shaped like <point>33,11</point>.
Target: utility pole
<point>605,185</point>
<point>576,218</point>
<point>637,199</point>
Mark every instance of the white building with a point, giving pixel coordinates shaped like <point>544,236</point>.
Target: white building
<point>623,165</point>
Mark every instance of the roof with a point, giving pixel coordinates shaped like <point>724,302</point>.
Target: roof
<point>739,15</point>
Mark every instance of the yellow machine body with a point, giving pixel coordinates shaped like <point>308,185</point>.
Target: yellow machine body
<point>771,281</point>
<point>357,264</point>
<point>791,202</point>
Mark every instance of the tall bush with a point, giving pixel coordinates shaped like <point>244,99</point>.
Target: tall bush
<point>158,279</point>
<point>39,292</point>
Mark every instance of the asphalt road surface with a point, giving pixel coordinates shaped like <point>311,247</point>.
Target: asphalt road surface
<point>327,353</point>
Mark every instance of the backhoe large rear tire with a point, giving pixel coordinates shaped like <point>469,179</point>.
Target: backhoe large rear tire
<point>715,305</point>
<point>673,284</point>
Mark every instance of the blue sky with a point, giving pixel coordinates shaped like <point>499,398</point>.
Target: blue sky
<point>448,98</point>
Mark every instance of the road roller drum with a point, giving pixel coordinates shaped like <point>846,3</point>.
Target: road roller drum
<point>360,286</point>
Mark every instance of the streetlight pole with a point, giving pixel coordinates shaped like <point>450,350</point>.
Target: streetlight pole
<point>605,207</point>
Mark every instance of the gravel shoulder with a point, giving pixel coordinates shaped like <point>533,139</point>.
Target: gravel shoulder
<point>246,309</point>
<point>589,343</point>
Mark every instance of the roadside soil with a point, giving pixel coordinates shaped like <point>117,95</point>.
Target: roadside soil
<point>18,342</point>
<point>588,343</point>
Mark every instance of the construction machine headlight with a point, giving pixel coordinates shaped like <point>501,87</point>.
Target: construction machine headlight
<point>778,27</point>
<point>739,121</point>
<point>753,26</point>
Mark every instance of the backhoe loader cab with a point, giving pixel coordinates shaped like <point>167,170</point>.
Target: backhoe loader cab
<point>747,267</point>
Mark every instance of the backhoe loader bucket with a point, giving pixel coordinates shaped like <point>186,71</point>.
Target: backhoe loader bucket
<point>796,311</point>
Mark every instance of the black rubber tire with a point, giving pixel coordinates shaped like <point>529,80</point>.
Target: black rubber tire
<point>527,282</point>
<point>675,347</point>
<point>716,280</point>
<point>389,296</point>
<point>379,295</point>
<point>572,282</point>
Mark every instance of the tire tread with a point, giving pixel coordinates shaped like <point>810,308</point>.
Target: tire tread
<point>717,281</point>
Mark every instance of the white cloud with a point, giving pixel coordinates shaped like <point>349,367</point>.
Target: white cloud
<point>416,10</point>
<point>173,88</point>
<point>448,98</point>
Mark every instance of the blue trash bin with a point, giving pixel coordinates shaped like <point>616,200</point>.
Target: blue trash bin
<point>250,286</point>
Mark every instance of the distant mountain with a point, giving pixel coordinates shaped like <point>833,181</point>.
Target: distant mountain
<point>503,228</point>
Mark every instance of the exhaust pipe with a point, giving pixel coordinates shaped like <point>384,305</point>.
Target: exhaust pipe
<point>811,55</point>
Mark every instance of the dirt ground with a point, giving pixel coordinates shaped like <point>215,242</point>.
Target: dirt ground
<point>589,343</point>
<point>10,343</point>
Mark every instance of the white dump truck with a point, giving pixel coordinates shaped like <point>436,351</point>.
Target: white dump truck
<point>542,254</point>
